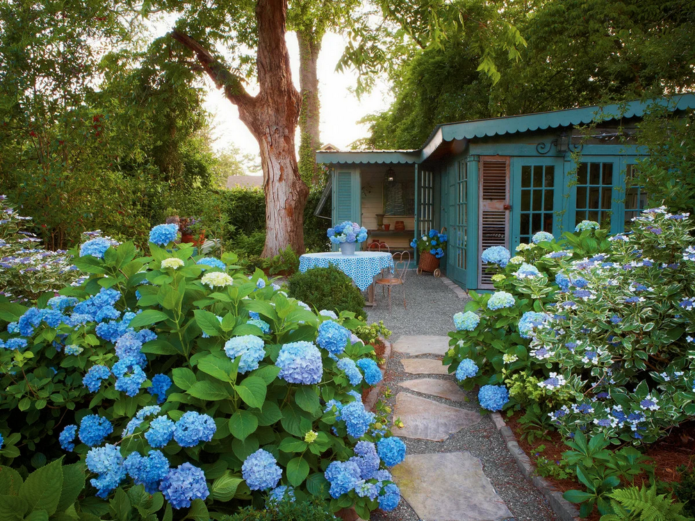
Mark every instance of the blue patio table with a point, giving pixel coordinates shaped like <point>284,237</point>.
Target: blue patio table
<point>361,267</point>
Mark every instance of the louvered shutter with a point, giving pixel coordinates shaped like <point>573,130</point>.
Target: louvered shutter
<point>346,196</point>
<point>494,219</point>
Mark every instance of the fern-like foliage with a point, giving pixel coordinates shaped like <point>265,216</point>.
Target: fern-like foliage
<point>643,504</point>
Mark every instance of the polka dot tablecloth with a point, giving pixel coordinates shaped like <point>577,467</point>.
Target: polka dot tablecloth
<point>360,267</point>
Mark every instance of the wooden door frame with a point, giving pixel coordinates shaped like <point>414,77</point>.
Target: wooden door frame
<point>482,207</point>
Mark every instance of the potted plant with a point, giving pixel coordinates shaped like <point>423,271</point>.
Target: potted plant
<point>347,235</point>
<point>192,231</point>
<point>431,248</point>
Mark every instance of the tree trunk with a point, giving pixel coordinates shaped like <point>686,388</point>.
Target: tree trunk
<point>272,118</point>
<point>309,49</point>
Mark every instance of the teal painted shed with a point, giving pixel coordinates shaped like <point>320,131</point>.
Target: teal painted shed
<point>497,181</point>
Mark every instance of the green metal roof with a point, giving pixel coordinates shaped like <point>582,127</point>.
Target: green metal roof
<point>480,128</point>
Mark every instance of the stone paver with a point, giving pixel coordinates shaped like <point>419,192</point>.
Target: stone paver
<point>422,345</point>
<point>429,420</point>
<point>423,366</point>
<point>449,487</point>
<point>442,388</point>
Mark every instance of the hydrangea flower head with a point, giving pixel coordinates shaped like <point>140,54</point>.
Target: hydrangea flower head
<point>562,281</point>
<point>587,225</point>
<point>261,471</point>
<point>96,247</point>
<point>160,386</point>
<point>530,321</point>
<point>217,279</point>
<point>249,347</point>
<point>466,369</point>
<point>163,234</point>
<point>281,493</point>
<point>348,366</point>
<point>372,374</point>
<point>343,476</point>
<point>141,415</point>
<point>467,321</point>
<point>357,419</point>
<point>94,429</point>
<point>391,450</point>
<point>212,262</point>
<point>193,427</point>
<point>493,397</point>
<point>527,271</point>
<point>500,300</point>
<point>67,437</point>
<point>148,471</point>
<point>366,458</point>
<point>539,237</point>
<point>300,363</point>
<point>260,324</point>
<point>161,432</point>
<point>108,463</point>
<point>390,498</point>
<point>172,262</point>
<point>333,337</point>
<point>496,255</point>
<point>129,376</point>
<point>328,313</point>
<point>184,484</point>
<point>96,374</point>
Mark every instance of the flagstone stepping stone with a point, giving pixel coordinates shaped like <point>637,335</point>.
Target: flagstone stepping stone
<point>449,487</point>
<point>423,366</point>
<point>446,389</point>
<point>422,345</point>
<point>429,420</point>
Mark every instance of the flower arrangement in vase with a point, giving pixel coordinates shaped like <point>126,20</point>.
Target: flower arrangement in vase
<point>431,248</point>
<point>347,235</point>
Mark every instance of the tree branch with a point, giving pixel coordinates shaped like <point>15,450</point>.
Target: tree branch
<point>222,77</point>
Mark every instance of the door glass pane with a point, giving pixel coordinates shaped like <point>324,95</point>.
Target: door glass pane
<point>537,200</point>
<point>594,173</point>
<point>595,193</point>
<point>548,201</point>
<point>581,174</point>
<point>549,176</point>
<point>537,176</point>
<point>525,176</point>
<point>581,197</point>
<point>608,174</point>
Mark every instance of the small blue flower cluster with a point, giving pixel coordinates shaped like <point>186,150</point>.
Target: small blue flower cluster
<point>333,337</point>
<point>372,373</point>
<point>467,321</point>
<point>530,321</point>
<point>357,419</point>
<point>184,484</point>
<point>539,237</point>
<point>93,378</point>
<point>260,324</point>
<point>94,429</point>
<point>391,450</point>
<point>527,271</point>
<point>496,255</point>
<point>128,347</point>
<point>140,417</point>
<point>348,366</point>
<point>193,427</point>
<point>261,471</point>
<point>249,347</point>
<point>108,463</point>
<point>160,385</point>
<point>343,476</point>
<point>281,493</point>
<point>563,282</point>
<point>129,376</point>
<point>300,363</point>
<point>212,262</point>
<point>161,432</point>
<point>67,438</point>
<point>96,247</point>
<point>148,471</point>
<point>587,225</point>
<point>163,234</point>
<point>347,232</point>
<point>493,397</point>
<point>466,369</point>
<point>499,300</point>
<point>366,459</point>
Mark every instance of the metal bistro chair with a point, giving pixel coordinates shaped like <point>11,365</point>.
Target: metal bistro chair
<point>380,247</point>
<point>401,261</point>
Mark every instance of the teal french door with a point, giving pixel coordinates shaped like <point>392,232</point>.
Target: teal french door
<point>597,194</point>
<point>537,191</point>
<point>457,221</point>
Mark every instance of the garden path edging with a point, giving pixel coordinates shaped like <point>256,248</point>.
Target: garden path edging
<point>565,510</point>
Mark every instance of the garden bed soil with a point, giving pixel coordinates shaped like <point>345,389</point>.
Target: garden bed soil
<point>675,450</point>
<point>379,348</point>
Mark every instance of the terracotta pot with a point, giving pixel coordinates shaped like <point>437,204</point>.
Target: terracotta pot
<point>187,238</point>
<point>400,226</point>
<point>347,514</point>
<point>387,226</point>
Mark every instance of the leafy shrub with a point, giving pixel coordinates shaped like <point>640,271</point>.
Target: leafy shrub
<point>171,372</point>
<point>327,288</point>
<point>248,245</point>
<point>286,511</point>
<point>370,333</point>
<point>684,489</point>
<point>634,503</point>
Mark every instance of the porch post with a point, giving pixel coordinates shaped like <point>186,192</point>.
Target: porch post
<point>416,220</point>
<point>473,269</point>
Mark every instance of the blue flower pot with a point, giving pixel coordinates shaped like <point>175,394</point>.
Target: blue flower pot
<point>347,248</point>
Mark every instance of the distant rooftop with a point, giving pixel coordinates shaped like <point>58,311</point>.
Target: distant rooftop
<point>245,181</point>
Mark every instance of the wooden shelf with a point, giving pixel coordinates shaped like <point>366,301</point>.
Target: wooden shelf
<point>410,233</point>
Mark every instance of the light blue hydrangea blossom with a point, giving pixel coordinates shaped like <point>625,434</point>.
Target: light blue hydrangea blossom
<point>148,471</point>
<point>530,321</point>
<point>500,300</point>
<point>587,225</point>
<point>349,367</point>
<point>184,484</point>
<point>160,385</point>
<point>193,427</point>
<point>249,347</point>
<point>467,321</point>
<point>261,471</point>
<point>96,247</point>
<point>212,262</point>
<point>161,432</point>
<point>539,237</point>
<point>466,369</point>
<point>391,450</point>
<point>357,419</point>
<point>281,493</point>
<point>527,271</point>
<point>300,363</point>
<point>93,378</point>
<point>107,462</point>
<point>343,476</point>
<point>163,234</point>
<point>94,429</point>
<point>496,255</point>
<point>372,373</point>
<point>493,397</point>
<point>67,437</point>
<point>333,337</point>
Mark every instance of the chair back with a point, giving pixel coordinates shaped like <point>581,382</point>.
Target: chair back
<point>379,246</point>
<point>401,261</point>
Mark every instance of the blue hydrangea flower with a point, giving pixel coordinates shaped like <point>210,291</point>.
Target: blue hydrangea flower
<point>587,225</point>
<point>372,374</point>
<point>249,347</point>
<point>94,429</point>
<point>328,313</point>
<point>184,484</point>
<point>493,397</point>
<point>349,367</point>
<point>261,471</point>
<point>499,300</point>
<point>73,350</point>
<point>254,315</point>
<point>261,324</point>
<point>391,497</point>
<point>108,463</point>
<point>300,363</point>
<point>112,331</point>
<point>530,321</point>
<point>148,471</point>
<point>466,369</point>
<point>61,303</point>
<point>542,237</point>
<point>163,234</point>
<point>527,271</point>
<point>467,321</point>
<point>160,386</point>
<point>161,432</point>
<point>496,255</point>
<point>343,476</point>
<point>369,490</point>
<point>366,459</point>
<point>281,493</point>
<point>357,419</point>
<point>260,284</point>
<point>391,450</point>
<point>28,321</point>
<point>212,262</point>
<point>96,247</point>
<point>563,282</point>
<point>15,344</point>
<point>333,337</point>
<point>67,437</point>
<point>193,428</point>
<point>129,346</point>
<point>129,376</point>
<point>135,422</point>
<point>93,378</point>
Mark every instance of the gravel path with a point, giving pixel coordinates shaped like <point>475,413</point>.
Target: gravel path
<point>430,308</point>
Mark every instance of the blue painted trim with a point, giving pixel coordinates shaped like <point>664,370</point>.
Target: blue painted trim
<point>404,157</point>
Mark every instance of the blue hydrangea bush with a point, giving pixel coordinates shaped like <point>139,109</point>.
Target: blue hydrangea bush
<point>182,375</point>
<point>608,339</point>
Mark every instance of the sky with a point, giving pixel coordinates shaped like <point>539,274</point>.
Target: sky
<point>340,108</point>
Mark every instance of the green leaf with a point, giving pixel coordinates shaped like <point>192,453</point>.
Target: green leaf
<point>73,483</point>
<point>224,487</point>
<point>297,471</point>
<point>159,347</point>
<point>121,505</point>
<point>268,373</point>
<point>317,485</point>
<point>220,368</point>
<point>577,496</point>
<point>307,399</point>
<point>147,318</point>
<point>242,424</point>
<point>184,378</point>
<point>42,489</point>
<point>37,515</point>
<point>208,322</point>
<point>12,508</point>
<point>168,513</point>
<point>252,390</point>
<point>290,444</point>
<point>206,390</point>
<point>198,511</point>
<point>269,415</point>
<point>10,481</point>
<point>243,449</point>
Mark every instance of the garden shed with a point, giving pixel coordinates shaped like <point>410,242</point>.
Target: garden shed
<point>497,181</point>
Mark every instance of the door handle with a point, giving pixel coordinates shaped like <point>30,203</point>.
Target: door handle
<point>507,207</point>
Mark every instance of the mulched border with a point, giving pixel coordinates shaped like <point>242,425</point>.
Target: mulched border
<point>564,510</point>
